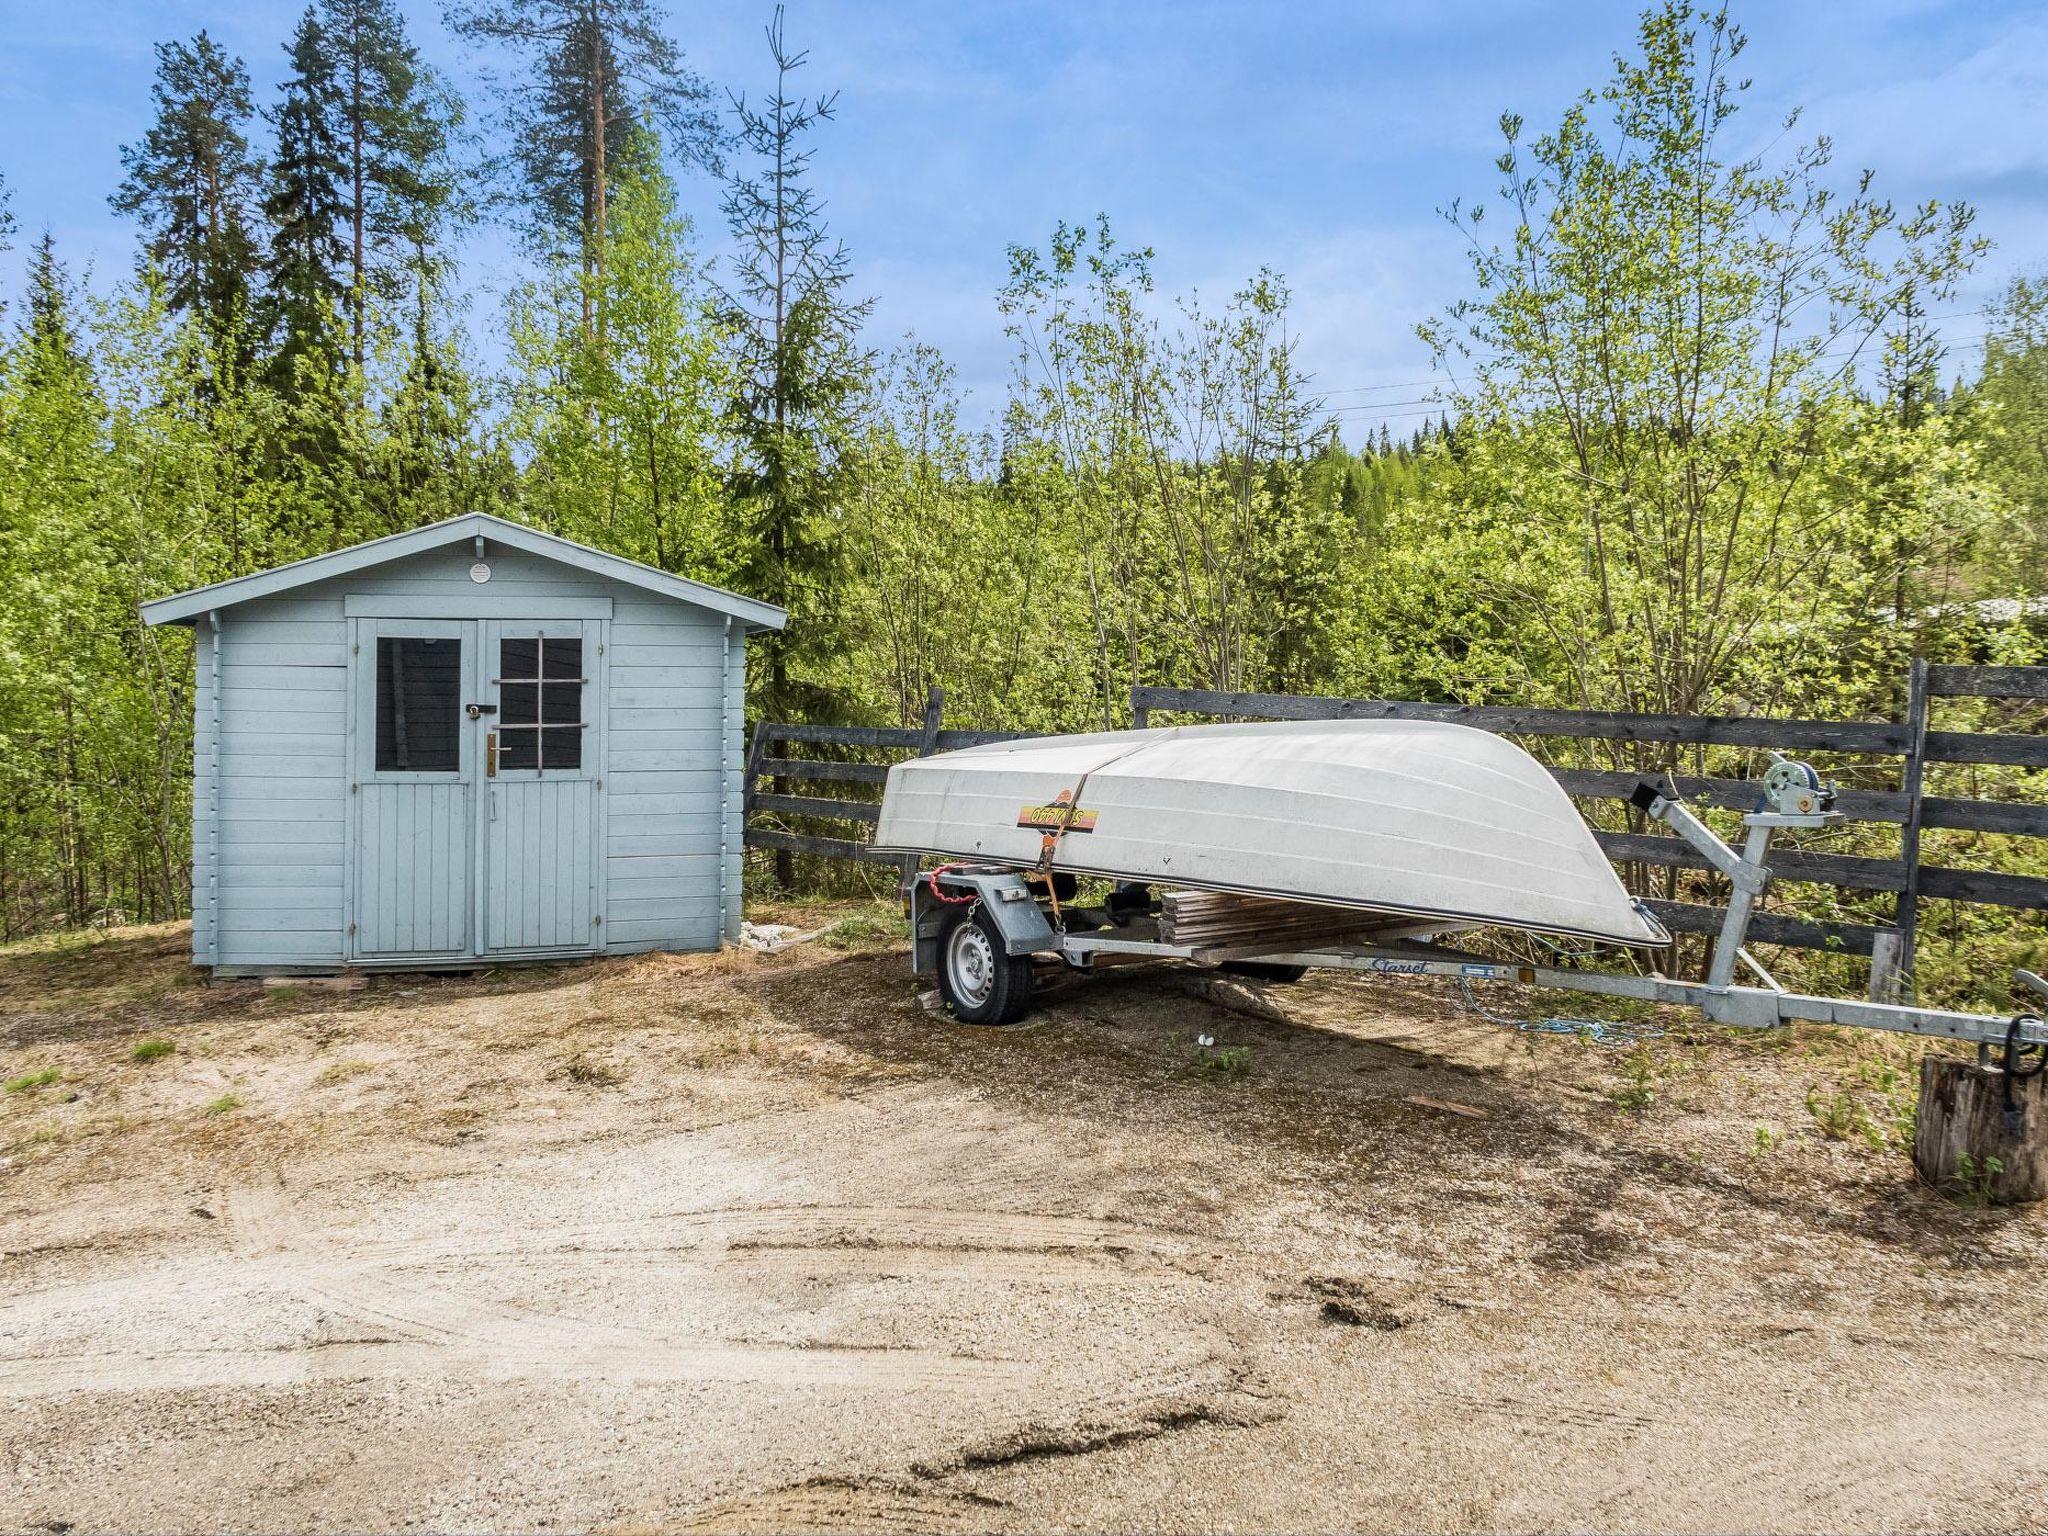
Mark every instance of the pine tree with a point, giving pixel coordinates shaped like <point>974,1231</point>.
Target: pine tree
<point>803,370</point>
<point>192,181</point>
<point>307,267</point>
<point>597,74</point>
<point>396,125</point>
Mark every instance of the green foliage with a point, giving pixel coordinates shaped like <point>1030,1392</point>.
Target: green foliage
<point>1225,1062</point>
<point>1640,1075</point>
<point>1661,482</point>
<point>1973,1181</point>
<point>1664,469</point>
<point>150,1050</point>
<point>28,1082</point>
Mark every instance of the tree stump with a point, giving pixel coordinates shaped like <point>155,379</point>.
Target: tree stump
<point>1964,1144</point>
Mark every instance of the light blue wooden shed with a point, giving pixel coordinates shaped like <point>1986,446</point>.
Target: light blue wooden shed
<point>473,743</point>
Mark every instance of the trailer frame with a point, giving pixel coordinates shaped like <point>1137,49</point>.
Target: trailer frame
<point>1016,901</point>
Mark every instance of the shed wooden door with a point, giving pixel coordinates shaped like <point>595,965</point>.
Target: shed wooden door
<point>476,762</point>
<point>413,762</point>
<point>543,764</point>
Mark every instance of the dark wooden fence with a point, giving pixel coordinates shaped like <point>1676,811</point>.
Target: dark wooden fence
<point>1910,744</point>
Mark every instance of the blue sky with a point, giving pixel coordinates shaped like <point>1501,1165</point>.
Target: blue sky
<point>1316,137</point>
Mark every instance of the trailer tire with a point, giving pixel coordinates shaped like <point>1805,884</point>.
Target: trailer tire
<point>979,980</point>
<point>1263,970</point>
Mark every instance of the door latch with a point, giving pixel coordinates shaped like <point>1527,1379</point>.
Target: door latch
<point>478,711</point>
<point>491,755</point>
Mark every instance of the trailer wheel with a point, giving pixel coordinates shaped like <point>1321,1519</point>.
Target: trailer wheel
<point>1263,970</point>
<point>980,981</point>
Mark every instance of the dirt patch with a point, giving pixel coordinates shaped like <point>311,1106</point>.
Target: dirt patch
<point>753,1243</point>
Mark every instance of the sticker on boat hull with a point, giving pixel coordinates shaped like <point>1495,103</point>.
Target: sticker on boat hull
<point>1051,818</point>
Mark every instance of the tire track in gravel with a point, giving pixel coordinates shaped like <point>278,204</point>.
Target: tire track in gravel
<point>405,1311</point>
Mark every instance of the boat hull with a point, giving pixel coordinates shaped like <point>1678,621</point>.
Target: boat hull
<point>1421,820</point>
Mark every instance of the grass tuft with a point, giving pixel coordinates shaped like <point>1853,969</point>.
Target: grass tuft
<point>223,1104</point>
<point>1230,1061</point>
<point>150,1050</point>
<point>28,1082</point>
<point>341,1072</point>
<point>591,1074</point>
<point>863,928</point>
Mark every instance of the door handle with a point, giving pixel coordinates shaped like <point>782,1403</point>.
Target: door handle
<point>491,755</point>
<point>478,711</point>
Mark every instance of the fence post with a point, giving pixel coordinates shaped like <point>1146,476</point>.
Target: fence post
<point>1893,974</point>
<point>927,743</point>
<point>1141,712</point>
<point>756,750</point>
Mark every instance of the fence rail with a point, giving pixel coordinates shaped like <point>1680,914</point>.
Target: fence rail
<point>1907,878</point>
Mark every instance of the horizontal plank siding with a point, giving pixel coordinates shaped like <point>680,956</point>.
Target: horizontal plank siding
<point>667,775</point>
<point>284,783</point>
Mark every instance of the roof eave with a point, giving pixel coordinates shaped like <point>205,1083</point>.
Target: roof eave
<point>190,607</point>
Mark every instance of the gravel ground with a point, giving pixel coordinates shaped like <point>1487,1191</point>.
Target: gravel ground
<point>753,1243</point>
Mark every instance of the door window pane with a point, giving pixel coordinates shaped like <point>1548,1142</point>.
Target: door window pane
<point>540,704</point>
<point>518,749</point>
<point>519,658</point>
<point>561,703</point>
<point>517,703</point>
<point>419,705</point>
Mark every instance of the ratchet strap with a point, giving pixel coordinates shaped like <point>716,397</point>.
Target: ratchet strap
<point>1049,844</point>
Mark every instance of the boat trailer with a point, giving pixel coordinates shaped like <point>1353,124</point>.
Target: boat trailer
<point>982,927</point>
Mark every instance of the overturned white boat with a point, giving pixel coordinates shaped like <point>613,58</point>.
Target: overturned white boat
<point>1441,824</point>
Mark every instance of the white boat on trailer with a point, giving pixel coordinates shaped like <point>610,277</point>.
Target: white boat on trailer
<point>1423,829</point>
<point>1430,828</point>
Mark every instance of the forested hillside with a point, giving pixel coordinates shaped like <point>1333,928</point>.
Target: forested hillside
<point>1696,448</point>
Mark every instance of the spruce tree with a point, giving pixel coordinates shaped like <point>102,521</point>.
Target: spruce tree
<point>802,373</point>
<point>306,270</point>
<point>395,125</point>
<point>192,181</point>
<point>596,74</point>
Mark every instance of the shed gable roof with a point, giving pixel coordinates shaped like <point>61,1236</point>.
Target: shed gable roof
<point>185,607</point>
